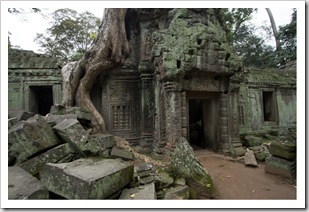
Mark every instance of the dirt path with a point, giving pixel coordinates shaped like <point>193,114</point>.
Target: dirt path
<point>234,180</point>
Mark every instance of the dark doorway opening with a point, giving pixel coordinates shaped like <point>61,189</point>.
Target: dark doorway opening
<point>196,132</point>
<point>203,123</point>
<point>41,99</point>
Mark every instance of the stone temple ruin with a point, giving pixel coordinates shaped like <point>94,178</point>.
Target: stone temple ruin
<point>181,81</point>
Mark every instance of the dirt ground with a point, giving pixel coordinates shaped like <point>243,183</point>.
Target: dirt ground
<point>234,180</point>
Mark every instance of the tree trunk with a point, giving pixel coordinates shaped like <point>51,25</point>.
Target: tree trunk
<point>109,50</point>
<point>274,27</point>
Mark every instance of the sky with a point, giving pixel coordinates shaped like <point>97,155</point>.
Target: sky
<point>23,32</point>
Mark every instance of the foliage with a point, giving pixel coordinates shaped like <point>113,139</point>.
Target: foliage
<point>287,35</point>
<point>250,41</point>
<point>70,34</point>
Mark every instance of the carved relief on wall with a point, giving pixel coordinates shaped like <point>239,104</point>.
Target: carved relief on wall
<point>121,103</point>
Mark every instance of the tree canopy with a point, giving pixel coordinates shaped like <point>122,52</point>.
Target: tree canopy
<point>70,34</point>
<point>251,42</point>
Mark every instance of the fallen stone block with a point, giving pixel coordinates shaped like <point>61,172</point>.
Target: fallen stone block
<point>19,115</point>
<point>87,178</point>
<point>250,159</point>
<point>119,153</point>
<point>187,166</point>
<point>144,167</point>
<point>21,185</point>
<point>143,192</point>
<point>53,120</point>
<point>261,156</point>
<point>99,145</point>
<point>72,132</point>
<point>286,151</point>
<point>165,180</point>
<point>251,141</point>
<point>27,138</point>
<point>281,167</point>
<point>148,179</point>
<point>239,151</point>
<point>81,113</point>
<point>180,181</point>
<point>178,193</point>
<point>60,154</point>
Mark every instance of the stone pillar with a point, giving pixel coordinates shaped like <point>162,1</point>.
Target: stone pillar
<point>173,114</point>
<point>160,119</point>
<point>147,105</point>
<point>223,123</point>
<point>236,145</point>
<point>57,94</point>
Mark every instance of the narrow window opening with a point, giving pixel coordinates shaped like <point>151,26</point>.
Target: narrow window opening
<point>269,106</point>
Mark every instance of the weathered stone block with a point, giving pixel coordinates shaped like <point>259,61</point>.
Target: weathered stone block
<point>251,141</point>
<point>142,192</point>
<point>180,181</point>
<point>87,178</point>
<point>187,166</point>
<point>119,153</point>
<point>19,115</point>
<point>52,120</point>
<point>60,154</point>
<point>27,138</point>
<point>144,167</point>
<point>287,151</point>
<point>250,158</point>
<point>280,166</point>
<point>178,193</point>
<point>239,151</point>
<point>72,132</point>
<point>165,179</point>
<point>24,186</point>
<point>106,141</point>
<point>81,113</point>
<point>148,179</point>
<point>261,156</point>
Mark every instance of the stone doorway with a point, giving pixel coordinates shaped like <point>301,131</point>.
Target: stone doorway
<point>40,99</point>
<point>203,121</point>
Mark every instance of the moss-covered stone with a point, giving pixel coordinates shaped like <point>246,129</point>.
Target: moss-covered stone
<point>283,150</point>
<point>27,138</point>
<point>91,178</point>
<point>186,165</point>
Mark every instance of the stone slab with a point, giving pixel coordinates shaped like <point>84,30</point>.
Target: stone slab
<point>165,179</point>
<point>280,166</point>
<point>119,153</point>
<point>239,151</point>
<point>144,192</point>
<point>144,167</point>
<point>178,193</point>
<point>27,138</point>
<point>81,113</point>
<point>90,178</point>
<point>53,120</point>
<point>60,154</point>
<point>21,185</point>
<point>286,151</point>
<point>19,115</point>
<point>72,132</point>
<point>250,159</point>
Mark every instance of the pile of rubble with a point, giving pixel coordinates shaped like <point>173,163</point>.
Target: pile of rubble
<point>56,156</point>
<point>278,153</point>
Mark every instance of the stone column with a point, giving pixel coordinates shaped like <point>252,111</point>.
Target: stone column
<point>223,122</point>
<point>147,105</point>
<point>173,114</point>
<point>236,146</point>
<point>57,94</point>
